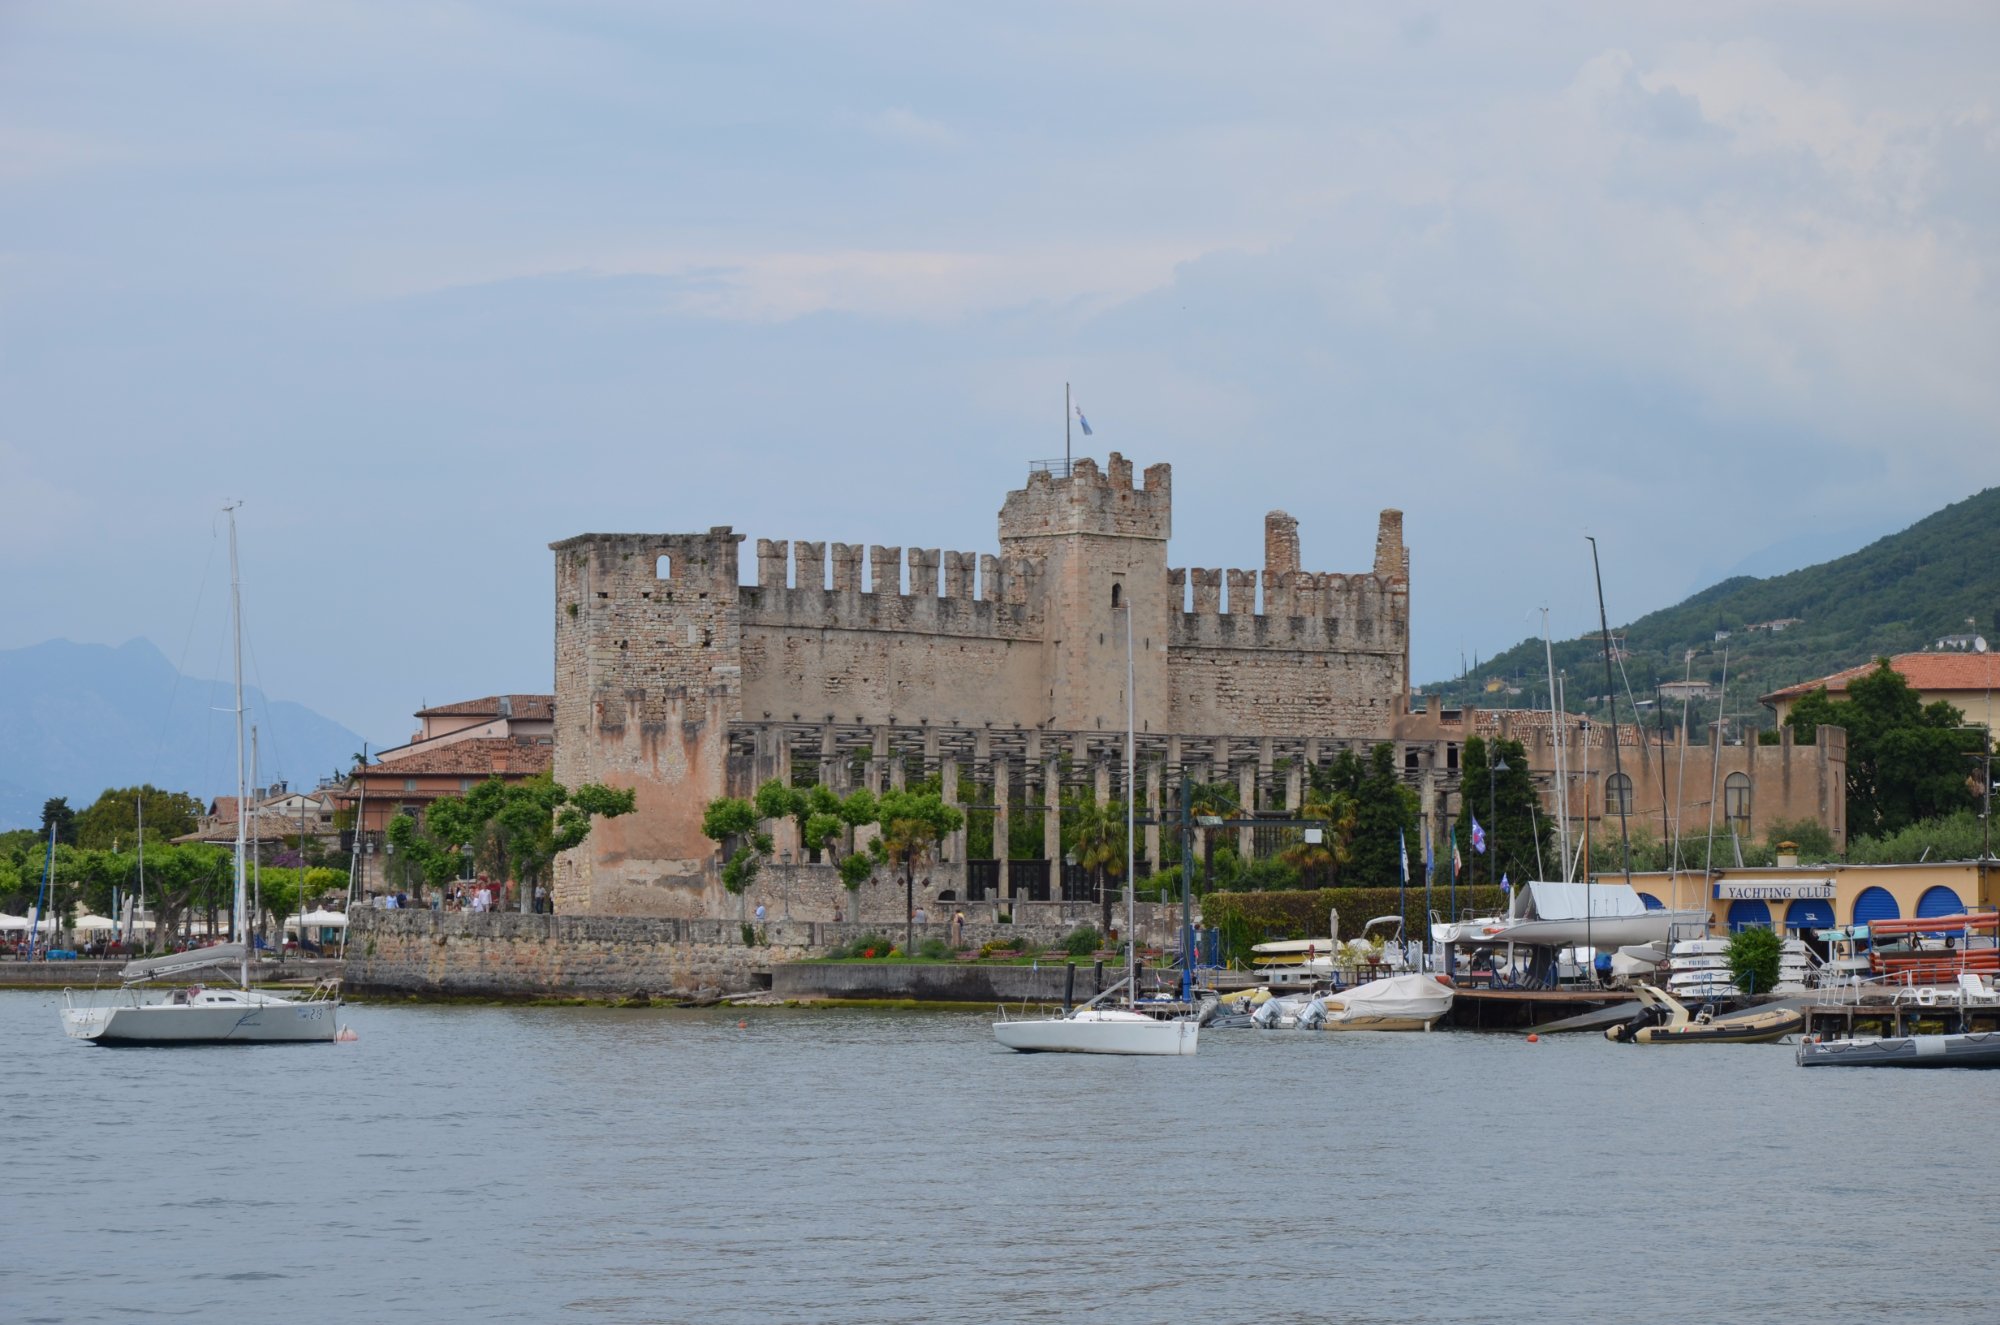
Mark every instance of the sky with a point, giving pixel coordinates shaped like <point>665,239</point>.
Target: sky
<point>429,285</point>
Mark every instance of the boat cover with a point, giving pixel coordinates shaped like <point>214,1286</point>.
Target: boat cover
<point>1413,996</point>
<point>1566,901</point>
<point>175,963</point>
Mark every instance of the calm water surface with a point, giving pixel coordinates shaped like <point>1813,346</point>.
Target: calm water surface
<point>534,1164</point>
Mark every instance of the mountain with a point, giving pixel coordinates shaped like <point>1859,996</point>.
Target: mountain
<point>1899,594</point>
<point>83,717</point>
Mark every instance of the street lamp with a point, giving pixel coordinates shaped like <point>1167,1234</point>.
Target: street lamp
<point>1493,772</point>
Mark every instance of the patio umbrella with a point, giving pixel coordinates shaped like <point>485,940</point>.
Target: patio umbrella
<point>323,919</point>
<point>13,923</point>
<point>93,924</point>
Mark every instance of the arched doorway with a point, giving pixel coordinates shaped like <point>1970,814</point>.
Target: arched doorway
<point>1940,901</point>
<point>1748,913</point>
<point>1807,914</point>
<point>1875,904</point>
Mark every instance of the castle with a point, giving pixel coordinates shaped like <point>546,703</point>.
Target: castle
<point>1005,672</point>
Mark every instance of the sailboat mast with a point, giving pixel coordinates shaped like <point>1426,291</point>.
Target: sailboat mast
<point>1617,763</point>
<point>1557,722</point>
<point>132,930</point>
<point>1131,853</point>
<point>242,790</point>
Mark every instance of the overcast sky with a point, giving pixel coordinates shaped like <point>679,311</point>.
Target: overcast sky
<point>428,285</point>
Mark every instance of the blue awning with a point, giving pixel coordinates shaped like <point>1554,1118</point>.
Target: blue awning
<point>1809,913</point>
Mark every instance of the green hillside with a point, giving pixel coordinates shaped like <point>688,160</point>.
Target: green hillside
<point>1898,594</point>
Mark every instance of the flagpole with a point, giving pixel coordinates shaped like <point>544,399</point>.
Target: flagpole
<point>1065,430</point>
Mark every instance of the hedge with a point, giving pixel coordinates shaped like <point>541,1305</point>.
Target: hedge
<point>1244,919</point>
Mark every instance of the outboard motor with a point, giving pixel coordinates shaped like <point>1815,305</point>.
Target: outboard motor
<point>1313,1015</point>
<point>1266,1016</point>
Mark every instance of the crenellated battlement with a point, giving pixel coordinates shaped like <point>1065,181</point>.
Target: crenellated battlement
<point>955,593</point>
<point>1088,501</point>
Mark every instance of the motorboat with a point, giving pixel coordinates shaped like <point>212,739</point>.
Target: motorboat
<point>1666,1020</point>
<point>1976,1049</point>
<point>1409,1002</point>
<point>196,1014</point>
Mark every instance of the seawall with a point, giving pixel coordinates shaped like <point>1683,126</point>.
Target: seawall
<point>461,954</point>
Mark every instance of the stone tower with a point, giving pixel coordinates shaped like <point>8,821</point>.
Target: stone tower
<point>649,636</point>
<point>1103,546</point>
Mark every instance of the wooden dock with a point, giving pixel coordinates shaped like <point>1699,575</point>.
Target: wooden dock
<point>1899,1017</point>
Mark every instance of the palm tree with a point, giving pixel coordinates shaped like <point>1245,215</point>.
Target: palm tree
<point>1341,815</point>
<point>1098,842</point>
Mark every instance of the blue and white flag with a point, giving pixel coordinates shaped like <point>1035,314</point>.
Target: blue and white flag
<point>1505,886</point>
<point>1478,836</point>
<point>1081,421</point>
<point>1403,854</point>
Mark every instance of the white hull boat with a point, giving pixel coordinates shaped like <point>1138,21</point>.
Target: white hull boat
<point>211,1016</point>
<point>197,1015</point>
<point>1100,1031</point>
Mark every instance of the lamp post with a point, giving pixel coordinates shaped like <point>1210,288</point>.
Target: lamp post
<point>1493,772</point>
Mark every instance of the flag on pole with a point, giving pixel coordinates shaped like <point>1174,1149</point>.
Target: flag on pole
<point>1457,864</point>
<point>1505,886</point>
<point>1478,836</point>
<point>1403,854</point>
<point>1081,422</point>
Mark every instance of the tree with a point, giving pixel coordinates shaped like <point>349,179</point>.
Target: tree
<point>515,830</point>
<point>56,812</point>
<point>1518,837</point>
<point>1096,836</point>
<point>1906,760</point>
<point>1321,862</point>
<point>913,823</point>
<point>112,819</point>
<point>1754,958</point>
<point>1383,810</point>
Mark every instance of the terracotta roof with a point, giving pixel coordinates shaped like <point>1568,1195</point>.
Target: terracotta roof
<point>267,825</point>
<point>1930,673</point>
<point>485,756</point>
<point>530,707</point>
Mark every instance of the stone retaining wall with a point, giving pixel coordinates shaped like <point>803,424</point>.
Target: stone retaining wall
<point>506,955</point>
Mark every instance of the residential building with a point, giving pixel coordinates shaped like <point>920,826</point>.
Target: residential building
<point>1966,681</point>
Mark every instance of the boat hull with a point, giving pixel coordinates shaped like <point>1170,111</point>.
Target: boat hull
<point>1980,1049</point>
<point>266,1020</point>
<point>1110,1034</point>
<point>1753,1028</point>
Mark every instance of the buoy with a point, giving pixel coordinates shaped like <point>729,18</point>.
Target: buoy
<point>741,1025</point>
<point>1534,1039</point>
<point>346,1035</point>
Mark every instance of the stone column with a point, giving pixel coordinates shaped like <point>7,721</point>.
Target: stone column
<point>1153,808</point>
<point>1052,816</point>
<point>1294,788</point>
<point>955,846</point>
<point>1246,795</point>
<point>1000,824</point>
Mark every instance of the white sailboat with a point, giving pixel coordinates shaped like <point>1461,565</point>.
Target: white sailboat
<point>194,1014</point>
<point>1091,1029</point>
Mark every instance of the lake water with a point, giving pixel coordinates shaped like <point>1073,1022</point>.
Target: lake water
<point>546,1164</point>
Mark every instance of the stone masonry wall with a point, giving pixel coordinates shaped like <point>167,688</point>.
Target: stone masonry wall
<point>501,955</point>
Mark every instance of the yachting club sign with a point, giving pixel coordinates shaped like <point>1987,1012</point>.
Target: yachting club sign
<point>1790,890</point>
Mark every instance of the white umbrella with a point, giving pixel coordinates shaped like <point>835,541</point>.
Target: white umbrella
<point>324,919</point>
<point>93,923</point>
<point>8,922</point>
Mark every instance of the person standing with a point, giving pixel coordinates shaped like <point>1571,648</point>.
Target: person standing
<point>958,930</point>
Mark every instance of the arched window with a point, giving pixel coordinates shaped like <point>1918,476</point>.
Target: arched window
<point>1736,800</point>
<point>1618,794</point>
<point>1117,596</point>
<point>664,567</point>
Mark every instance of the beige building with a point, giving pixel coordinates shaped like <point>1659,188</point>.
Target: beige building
<point>1794,897</point>
<point>1966,681</point>
<point>1005,670</point>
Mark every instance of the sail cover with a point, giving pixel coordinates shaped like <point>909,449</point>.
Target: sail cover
<point>175,963</point>
<point>1566,901</point>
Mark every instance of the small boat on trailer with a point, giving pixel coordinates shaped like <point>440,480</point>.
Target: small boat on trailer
<point>1974,1049</point>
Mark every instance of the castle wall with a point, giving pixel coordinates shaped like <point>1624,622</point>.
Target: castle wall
<point>1009,667</point>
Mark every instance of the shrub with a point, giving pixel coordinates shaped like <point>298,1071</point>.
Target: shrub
<point>1244,919</point>
<point>749,935</point>
<point>1082,941</point>
<point>991,946</point>
<point>1753,959</point>
<point>935,950</point>
<point>1027,947</point>
<point>868,945</point>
